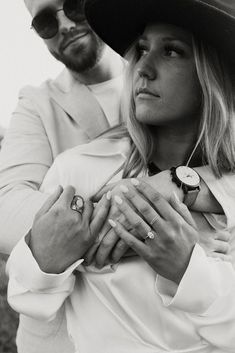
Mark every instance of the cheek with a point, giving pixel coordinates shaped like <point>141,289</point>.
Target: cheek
<point>52,44</point>
<point>185,92</point>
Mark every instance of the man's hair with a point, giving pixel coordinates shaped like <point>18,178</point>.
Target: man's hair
<point>216,133</point>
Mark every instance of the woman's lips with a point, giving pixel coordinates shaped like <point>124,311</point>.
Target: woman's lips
<point>146,93</point>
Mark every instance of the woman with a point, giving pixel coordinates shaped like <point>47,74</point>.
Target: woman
<point>173,298</point>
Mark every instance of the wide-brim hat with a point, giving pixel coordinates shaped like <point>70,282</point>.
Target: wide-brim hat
<point>119,22</point>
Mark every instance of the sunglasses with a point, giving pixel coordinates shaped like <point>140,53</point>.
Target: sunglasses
<point>46,24</point>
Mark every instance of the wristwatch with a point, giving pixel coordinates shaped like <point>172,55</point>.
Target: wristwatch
<point>188,180</point>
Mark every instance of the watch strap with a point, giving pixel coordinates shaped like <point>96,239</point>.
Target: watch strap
<point>190,196</point>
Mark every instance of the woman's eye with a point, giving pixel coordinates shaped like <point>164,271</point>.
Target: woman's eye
<point>173,52</point>
<point>142,51</point>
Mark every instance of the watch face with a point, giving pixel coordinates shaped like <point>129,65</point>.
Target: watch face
<point>187,176</point>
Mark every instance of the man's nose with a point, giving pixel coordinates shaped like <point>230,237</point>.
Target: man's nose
<point>65,24</point>
<point>147,68</point>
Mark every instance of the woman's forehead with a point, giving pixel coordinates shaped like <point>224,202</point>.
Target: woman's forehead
<point>166,31</point>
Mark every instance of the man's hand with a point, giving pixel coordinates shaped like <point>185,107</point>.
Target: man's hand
<point>60,236</point>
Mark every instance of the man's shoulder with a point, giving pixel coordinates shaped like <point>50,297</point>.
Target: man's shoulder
<point>45,89</point>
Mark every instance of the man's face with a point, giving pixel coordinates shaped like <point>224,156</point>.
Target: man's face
<point>75,44</point>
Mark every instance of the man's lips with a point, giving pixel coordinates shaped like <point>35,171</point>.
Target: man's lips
<point>74,39</point>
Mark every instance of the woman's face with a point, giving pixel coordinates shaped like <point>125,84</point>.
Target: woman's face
<point>165,85</point>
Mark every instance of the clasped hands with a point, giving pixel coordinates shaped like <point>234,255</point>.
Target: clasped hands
<point>121,220</point>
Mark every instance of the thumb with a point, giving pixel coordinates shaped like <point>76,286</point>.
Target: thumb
<point>50,201</point>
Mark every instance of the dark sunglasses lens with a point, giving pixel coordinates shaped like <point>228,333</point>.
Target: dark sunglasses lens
<point>73,9</point>
<point>45,24</point>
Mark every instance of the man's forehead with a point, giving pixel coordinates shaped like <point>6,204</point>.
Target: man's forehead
<point>34,6</point>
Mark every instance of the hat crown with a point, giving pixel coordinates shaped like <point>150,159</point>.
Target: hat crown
<point>119,22</point>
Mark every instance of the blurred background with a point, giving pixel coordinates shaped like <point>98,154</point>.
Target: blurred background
<point>24,60</point>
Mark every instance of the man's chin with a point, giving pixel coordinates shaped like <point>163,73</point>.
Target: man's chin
<point>80,59</point>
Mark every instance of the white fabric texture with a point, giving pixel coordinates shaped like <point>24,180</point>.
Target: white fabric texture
<point>48,120</point>
<point>128,308</point>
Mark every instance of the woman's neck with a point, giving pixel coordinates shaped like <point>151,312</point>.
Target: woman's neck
<point>173,146</point>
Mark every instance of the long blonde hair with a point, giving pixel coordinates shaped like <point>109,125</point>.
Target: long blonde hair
<point>216,134</point>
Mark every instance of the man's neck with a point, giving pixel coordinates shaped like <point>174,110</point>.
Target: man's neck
<point>109,66</point>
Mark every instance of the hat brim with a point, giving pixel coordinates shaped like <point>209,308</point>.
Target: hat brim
<point>119,22</point>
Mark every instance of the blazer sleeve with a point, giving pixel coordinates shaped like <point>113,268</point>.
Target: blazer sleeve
<point>24,160</point>
<point>33,292</point>
<point>223,190</point>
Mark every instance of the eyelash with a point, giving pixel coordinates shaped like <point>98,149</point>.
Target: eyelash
<point>140,49</point>
<point>175,48</point>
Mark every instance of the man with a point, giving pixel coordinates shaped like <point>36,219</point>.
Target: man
<point>72,109</point>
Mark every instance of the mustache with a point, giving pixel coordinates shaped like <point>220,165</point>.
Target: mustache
<point>72,34</point>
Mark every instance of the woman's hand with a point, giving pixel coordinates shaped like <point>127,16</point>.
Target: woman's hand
<point>109,248</point>
<point>168,230</point>
<point>60,236</point>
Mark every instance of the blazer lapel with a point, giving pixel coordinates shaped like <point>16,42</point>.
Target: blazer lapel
<point>79,103</point>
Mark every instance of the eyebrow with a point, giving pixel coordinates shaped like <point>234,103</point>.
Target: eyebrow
<point>168,39</point>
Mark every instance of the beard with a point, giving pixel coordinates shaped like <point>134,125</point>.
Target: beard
<point>81,57</point>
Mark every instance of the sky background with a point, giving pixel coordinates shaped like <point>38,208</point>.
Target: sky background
<point>24,57</point>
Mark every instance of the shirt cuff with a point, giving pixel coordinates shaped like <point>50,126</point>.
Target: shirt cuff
<point>223,189</point>
<point>200,286</point>
<point>23,267</point>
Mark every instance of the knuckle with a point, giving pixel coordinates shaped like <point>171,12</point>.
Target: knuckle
<point>156,197</point>
<point>171,235</point>
<point>177,225</point>
<point>108,243</point>
<point>137,223</point>
<point>225,248</point>
<point>121,245</point>
<point>144,209</point>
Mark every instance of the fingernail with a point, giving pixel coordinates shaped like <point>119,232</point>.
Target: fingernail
<point>135,182</point>
<point>112,223</point>
<point>108,195</point>
<point>124,189</point>
<point>118,199</point>
<point>175,196</point>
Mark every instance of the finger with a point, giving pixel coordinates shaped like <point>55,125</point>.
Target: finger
<point>87,211</point>
<point>101,215</point>
<point>90,254</point>
<point>163,207</point>
<point>223,236</point>
<point>119,251</point>
<point>145,210</point>
<point>50,201</point>
<point>108,243</point>
<point>222,247</point>
<point>66,197</point>
<point>136,222</point>
<point>182,209</point>
<point>138,246</point>
<point>223,257</point>
<point>101,192</point>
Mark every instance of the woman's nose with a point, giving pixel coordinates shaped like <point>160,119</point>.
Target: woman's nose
<point>65,24</point>
<point>147,70</point>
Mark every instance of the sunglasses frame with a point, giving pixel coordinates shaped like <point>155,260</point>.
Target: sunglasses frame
<point>53,13</point>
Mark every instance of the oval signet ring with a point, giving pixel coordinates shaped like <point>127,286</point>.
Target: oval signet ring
<point>77,204</point>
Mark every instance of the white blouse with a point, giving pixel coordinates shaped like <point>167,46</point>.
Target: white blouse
<point>125,308</point>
